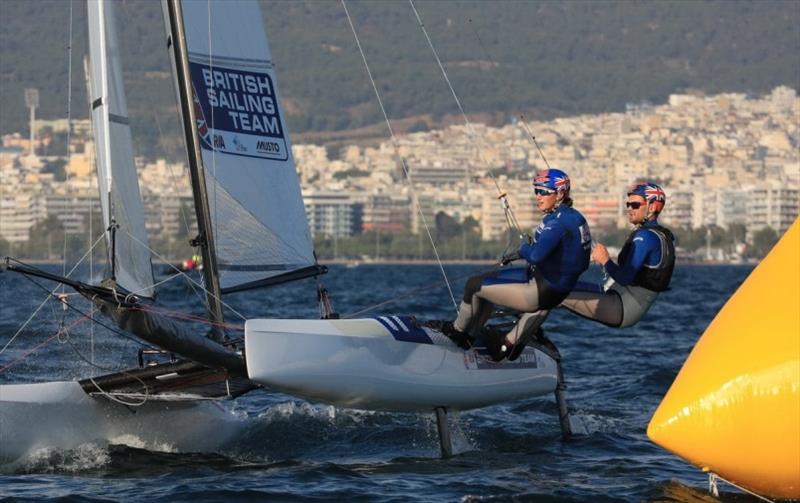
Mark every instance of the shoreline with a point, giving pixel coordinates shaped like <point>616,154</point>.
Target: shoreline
<point>388,261</point>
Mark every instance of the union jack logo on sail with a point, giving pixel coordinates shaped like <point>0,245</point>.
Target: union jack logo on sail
<point>200,117</point>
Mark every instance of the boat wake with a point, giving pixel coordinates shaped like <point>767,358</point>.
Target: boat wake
<point>88,457</point>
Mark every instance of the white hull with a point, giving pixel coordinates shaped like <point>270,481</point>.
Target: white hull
<point>60,415</point>
<point>386,365</point>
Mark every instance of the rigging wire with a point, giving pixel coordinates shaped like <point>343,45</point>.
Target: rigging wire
<point>215,217</point>
<point>511,219</point>
<point>397,153</point>
<point>521,117</point>
<point>181,273</point>
<point>179,315</point>
<point>410,293</point>
<point>50,294</point>
<point>30,352</point>
<point>69,129</point>
<point>72,307</point>
<point>530,134</point>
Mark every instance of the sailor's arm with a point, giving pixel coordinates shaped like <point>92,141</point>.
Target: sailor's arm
<point>545,243</point>
<point>624,274</point>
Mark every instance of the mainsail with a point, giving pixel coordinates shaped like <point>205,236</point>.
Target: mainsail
<point>119,187</point>
<point>255,207</point>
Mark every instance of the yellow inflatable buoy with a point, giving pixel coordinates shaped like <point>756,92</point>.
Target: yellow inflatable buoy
<point>734,408</point>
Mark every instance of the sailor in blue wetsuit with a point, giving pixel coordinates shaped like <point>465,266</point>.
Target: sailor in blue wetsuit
<point>643,268</point>
<point>557,255</point>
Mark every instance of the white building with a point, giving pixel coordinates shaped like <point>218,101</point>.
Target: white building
<point>333,214</point>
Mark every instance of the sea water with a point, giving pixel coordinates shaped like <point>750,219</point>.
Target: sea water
<point>286,449</point>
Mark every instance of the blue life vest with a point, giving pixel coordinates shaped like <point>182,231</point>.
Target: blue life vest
<point>647,258</point>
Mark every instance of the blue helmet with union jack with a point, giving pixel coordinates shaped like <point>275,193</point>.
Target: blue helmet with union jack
<point>553,179</point>
<point>652,193</point>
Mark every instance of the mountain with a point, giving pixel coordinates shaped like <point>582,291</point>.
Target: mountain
<point>541,58</point>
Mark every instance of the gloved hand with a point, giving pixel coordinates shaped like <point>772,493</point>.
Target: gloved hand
<point>508,258</point>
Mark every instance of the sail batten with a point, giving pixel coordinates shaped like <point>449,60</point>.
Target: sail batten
<point>118,182</point>
<point>256,210</point>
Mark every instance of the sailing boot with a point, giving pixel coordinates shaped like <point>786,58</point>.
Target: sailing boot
<point>495,342</point>
<point>523,341</point>
<point>461,339</point>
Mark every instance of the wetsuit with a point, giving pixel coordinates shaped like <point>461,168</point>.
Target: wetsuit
<point>556,258</point>
<point>643,269</point>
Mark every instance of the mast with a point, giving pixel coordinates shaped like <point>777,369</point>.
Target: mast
<point>205,239</point>
<point>106,128</point>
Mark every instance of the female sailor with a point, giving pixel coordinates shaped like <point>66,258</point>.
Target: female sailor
<point>643,268</point>
<point>556,257</point>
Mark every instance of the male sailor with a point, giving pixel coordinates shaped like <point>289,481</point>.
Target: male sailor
<point>557,255</point>
<point>643,268</point>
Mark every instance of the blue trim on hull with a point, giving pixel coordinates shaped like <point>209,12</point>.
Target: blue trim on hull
<point>403,328</point>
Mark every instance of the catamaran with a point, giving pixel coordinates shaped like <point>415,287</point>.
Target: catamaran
<point>252,233</point>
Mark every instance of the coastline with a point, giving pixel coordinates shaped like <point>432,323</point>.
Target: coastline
<point>389,261</point>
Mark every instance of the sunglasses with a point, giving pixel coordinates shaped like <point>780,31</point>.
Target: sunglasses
<point>634,204</point>
<point>543,192</point>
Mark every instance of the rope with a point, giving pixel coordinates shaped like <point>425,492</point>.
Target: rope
<point>407,294</point>
<point>712,487</point>
<point>57,335</point>
<point>541,153</point>
<point>70,306</point>
<point>510,218</point>
<point>30,352</point>
<point>397,153</point>
<point>186,316</point>
<point>522,117</point>
<point>50,295</point>
<point>3,369</point>
<point>119,401</point>
<point>63,330</point>
<point>101,367</point>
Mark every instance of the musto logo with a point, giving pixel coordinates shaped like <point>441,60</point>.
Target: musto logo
<point>237,112</point>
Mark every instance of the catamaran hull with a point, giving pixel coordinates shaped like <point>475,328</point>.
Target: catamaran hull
<point>386,364</point>
<point>60,415</point>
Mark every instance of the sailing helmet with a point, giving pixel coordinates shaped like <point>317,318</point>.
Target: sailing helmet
<point>553,179</point>
<point>652,193</point>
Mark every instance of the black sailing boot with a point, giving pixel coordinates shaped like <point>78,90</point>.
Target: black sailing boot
<point>495,342</point>
<point>461,339</point>
<point>523,341</point>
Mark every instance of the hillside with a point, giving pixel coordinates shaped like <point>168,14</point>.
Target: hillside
<point>540,58</point>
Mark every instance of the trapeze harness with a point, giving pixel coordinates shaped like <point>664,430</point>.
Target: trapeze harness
<point>637,296</point>
<point>558,255</point>
<point>656,277</point>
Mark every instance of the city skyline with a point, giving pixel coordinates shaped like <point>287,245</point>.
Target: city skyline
<point>709,153</point>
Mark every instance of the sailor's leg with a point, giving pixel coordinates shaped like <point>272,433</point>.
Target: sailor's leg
<point>635,301</point>
<point>518,296</point>
<point>464,316</point>
<point>525,330</point>
<point>527,326</point>
<point>605,307</point>
<point>471,303</point>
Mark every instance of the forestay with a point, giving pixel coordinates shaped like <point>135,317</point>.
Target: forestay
<point>257,213</point>
<point>119,186</point>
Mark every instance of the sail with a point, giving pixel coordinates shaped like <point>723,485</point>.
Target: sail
<point>118,182</point>
<point>256,210</point>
